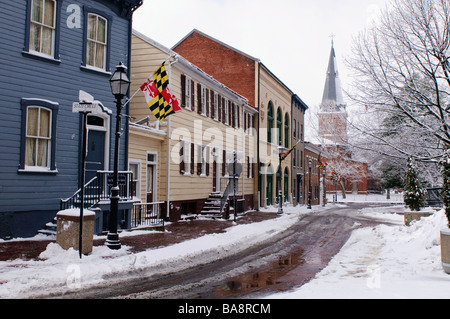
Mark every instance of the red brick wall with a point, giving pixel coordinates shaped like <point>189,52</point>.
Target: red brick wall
<point>229,67</point>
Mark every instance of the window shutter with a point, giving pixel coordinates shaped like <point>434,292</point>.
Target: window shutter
<point>253,170</point>
<point>207,160</point>
<point>231,115</point>
<point>238,124</point>
<point>207,111</point>
<point>223,110</point>
<point>207,102</point>
<point>192,95</point>
<point>224,160</point>
<point>213,107</point>
<point>199,159</point>
<point>192,159</point>
<point>245,121</point>
<point>181,157</point>
<point>183,90</point>
<point>248,166</point>
<point>199,98</point>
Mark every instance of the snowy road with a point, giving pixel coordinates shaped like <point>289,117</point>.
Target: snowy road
<point>284,261</point>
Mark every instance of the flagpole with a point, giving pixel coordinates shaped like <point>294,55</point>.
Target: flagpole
<point>169,140</point>
<point>137,91</point>
<point>131,97</point>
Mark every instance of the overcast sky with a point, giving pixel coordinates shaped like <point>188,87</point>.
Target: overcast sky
<point>291,37</point>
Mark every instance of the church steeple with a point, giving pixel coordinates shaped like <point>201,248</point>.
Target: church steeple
<point>333,114</point>
<point>332,99</point>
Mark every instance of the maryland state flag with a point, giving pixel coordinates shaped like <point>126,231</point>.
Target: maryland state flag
<point>157,94</point>
<point>284,155</point>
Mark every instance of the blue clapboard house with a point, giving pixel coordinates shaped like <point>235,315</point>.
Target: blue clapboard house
<point>50,51</point>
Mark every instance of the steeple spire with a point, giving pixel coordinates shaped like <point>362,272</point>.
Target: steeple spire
<point>333,114</point>
<point>332,99</point>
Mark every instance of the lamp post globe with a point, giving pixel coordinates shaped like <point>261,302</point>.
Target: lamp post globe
<point>120,84</point>
<point>119,81</point>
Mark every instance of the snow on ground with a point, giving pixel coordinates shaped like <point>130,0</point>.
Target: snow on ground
<point>388,262</point>
<point>379,262</point>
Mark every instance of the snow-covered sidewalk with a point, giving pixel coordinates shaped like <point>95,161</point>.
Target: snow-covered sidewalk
<point>379,262</point>
<point>387,262</point>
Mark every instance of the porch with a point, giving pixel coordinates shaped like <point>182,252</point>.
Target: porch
<point>97,198</point>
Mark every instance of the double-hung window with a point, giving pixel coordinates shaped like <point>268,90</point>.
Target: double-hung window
<point>42,27</point>
<point>227,111</point>
<point>42,31</point>
<point>38,136</point>
<point>202,107</point>
<point>186,158</point>
<point>216,106</point>
<point>202,160</point>
<point>189,94</point>
<point>96,41</point>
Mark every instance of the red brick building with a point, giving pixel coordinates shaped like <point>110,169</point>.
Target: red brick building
<point>222,61</point>
<point>272,99</point>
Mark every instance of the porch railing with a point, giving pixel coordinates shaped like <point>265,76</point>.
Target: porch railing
<point>229,189</point>
<point>147,214</point>
<point>99,189</point>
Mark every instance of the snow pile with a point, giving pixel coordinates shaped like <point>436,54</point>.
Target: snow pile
<point>63,270</point>
<point>384,262</point>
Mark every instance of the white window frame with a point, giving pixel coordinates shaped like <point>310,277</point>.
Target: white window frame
<point>216,106</point>
<point>250,128</point>
<point>203,100</point>
<point>250,169</point>
<point>43,26</point>
<point>186,157</point>
<point>37,138</point>
<point>96,42</point>
<point>227,111</point>
<point>203,158</point>
<point>188,90</point>
<point>137,178</point>
<point>155,172</point>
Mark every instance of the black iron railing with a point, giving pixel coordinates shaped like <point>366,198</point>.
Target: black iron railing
<point>147,214</point>
<point>99,189</point>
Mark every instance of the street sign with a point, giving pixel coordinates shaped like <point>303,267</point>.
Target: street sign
<point>230,168</point>
<point>93,108</point>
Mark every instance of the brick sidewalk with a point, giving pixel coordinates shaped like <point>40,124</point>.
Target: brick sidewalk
<point>175,233</point>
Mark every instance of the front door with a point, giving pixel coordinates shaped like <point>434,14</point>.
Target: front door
<point>95,159</point>
<point>299,188</point>
<point>269,192</point>
<point>214,176</point>
<point>216,171</point>
<point>150,183</point>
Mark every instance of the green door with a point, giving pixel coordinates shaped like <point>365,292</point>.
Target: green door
<point>269,191</point>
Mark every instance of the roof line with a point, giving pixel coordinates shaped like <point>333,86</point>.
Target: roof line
<point>215,40</point>
<point>189,65</point>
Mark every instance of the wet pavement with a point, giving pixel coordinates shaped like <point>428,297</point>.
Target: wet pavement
<point>175,233</point>
<point>291,258</point>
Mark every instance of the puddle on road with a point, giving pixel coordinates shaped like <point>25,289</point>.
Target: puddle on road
<point>273,277</point>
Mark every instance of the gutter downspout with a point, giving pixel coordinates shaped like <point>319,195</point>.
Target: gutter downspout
<point>169,143</point>
<point>259,188</point>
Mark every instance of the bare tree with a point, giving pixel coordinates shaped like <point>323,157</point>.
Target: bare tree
<point>402,76</point>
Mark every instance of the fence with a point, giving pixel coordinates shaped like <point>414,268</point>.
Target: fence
<point>147,214</point>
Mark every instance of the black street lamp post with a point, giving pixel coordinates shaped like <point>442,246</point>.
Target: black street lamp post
<point>119,87</point>
<point>280,193</point>
<point>310,186</point>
